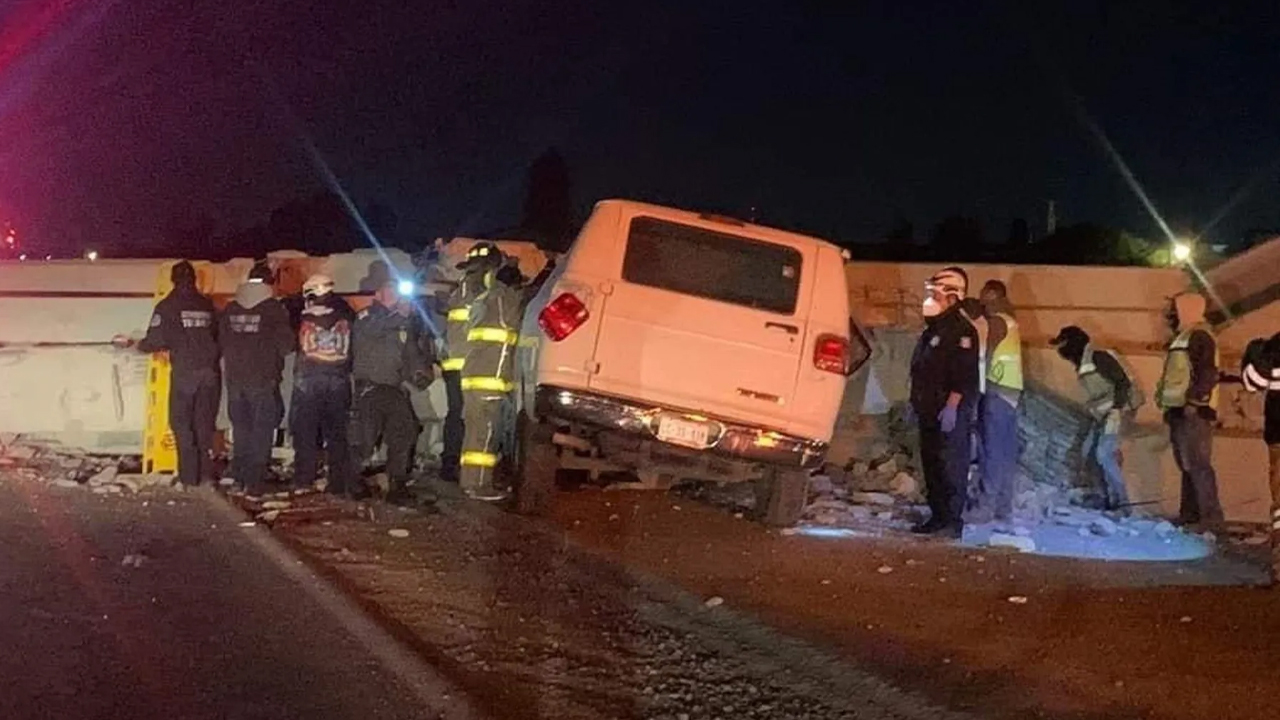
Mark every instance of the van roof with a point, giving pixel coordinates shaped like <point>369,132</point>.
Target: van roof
<point>762,232</point>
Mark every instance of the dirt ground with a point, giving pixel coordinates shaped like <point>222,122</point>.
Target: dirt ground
<point>1093,639</point>
<point>583,616</point>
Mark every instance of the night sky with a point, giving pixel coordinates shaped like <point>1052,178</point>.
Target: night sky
<point>123,118</point>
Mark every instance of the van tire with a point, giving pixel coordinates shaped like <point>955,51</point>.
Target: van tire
<point>781,496</point>
<point>539,462</point>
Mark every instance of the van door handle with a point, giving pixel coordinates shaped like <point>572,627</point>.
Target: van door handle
<point>789,329</point>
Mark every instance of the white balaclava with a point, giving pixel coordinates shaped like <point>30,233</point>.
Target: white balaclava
<point>950,281</point>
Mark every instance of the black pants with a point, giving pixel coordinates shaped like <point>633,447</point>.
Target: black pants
<point>320,412</point>
<point>193,415</point>
<point>944,458</point>
<point>1192,440</point>
<point>255,415</point>
<point>382,412</point>
<point>454,427</point>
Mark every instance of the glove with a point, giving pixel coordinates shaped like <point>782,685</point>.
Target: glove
<point>947,418</point>
<point>1207,413</point>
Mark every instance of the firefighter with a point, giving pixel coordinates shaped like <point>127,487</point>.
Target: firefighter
<point>1108,394</point>
<point>387,359</point>
<point>492,334</point>
<point>183,325</point>
<point>256,336</point>
<point>480,259</point>
<point>1188,395</point>
<point>1260,372</point>
<point>944,394</point>
<point>998,406</point>
<point>321,405</point>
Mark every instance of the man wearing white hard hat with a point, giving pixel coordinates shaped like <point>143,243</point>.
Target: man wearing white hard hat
<point>321,403</point>
<point>944,395</point>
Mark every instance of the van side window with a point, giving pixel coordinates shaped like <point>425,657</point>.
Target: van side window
<point>712,265</point>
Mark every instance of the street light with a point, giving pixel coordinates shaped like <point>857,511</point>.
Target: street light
<point>1181,251</point>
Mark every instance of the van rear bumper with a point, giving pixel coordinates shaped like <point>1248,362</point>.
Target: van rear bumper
<point>731,439</point>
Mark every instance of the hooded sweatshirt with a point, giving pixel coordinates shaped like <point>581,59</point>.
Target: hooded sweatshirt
<point>324,337</point>
<point>256,337</point>
<point>183,325</point>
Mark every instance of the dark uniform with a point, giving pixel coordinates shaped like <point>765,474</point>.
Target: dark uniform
<point>387,356</point>
<point>321,404</point>
<point>256,336</point>
<point>183,325</point>
<point>945,362</point>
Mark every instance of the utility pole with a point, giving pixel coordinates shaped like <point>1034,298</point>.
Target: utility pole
<point>1051,224</point>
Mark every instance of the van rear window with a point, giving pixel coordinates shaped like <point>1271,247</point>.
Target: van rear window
<point>712,265</point>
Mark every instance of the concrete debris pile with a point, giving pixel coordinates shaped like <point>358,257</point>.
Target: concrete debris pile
<point>68,467</point>
<point>879,485</point>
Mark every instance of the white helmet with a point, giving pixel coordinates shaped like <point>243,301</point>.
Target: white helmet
<point>317,286</point>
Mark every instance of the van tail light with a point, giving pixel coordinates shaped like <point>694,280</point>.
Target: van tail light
<point>562,316</point>
<point>831,354</point>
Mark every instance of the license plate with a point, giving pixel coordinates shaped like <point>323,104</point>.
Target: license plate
<point>683,432</point>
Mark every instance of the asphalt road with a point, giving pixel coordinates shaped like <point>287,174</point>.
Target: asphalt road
<point>163,606</point>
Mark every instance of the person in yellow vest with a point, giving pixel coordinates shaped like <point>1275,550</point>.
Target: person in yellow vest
<point>481,259</point>
<point>998,407</point>
<point>1109,393</point>
<point>1188,395</point>
<point>493,329</point>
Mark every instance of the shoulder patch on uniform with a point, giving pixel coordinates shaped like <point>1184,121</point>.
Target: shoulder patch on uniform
<point>155,320</point>
<point>935,341</point>
<point>966,342</point>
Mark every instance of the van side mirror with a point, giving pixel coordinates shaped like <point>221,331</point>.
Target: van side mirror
<point>859,349</point>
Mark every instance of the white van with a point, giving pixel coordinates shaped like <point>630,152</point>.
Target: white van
<point>674,345</point>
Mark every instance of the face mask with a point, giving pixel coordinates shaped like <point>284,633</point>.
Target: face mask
<point>931,307</point>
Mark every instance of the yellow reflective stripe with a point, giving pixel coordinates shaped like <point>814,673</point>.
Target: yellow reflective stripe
<point>479,459</point>
<point>493,335</point>
<point>459,314</point>
<point>478,382</point>
<point>453,363</point>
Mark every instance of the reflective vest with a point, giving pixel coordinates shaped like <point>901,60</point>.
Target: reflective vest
<point>1175,381</point>
<point>1005,368</point>
<point>493,331</point>
<point>457,320</point>
<point>1100,393</point>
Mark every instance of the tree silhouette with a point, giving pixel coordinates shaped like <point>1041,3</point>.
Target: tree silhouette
<point>957,234</point>
<point>547,207</point>
<point>902,231</point>
<point>1019,232</point>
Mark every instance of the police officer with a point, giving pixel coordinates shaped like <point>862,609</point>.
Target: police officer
<point>1188,395</point>
<point>998,407</point>
<point>183,325</point>
<point>944,395</point>
<point>1108,394</point>
<point>387,358</point>
<point>256,337</point>
<point>321,403</point>
<point>1260,372</point>
<point>480,259</point>
<point>492,334</point>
